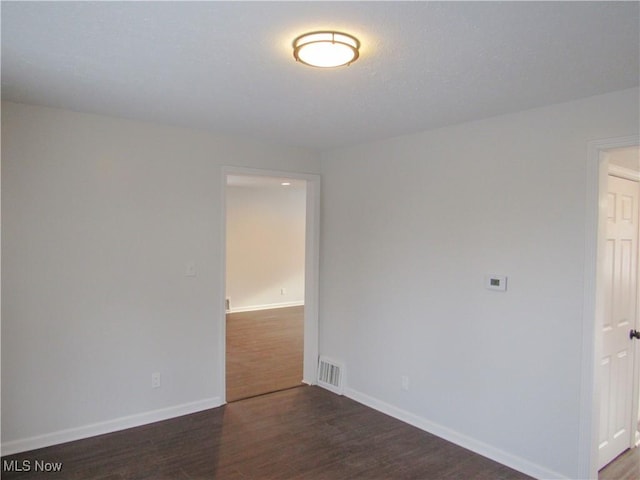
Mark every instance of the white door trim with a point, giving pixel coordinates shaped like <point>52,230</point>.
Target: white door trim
<point>312,267</point>
<point>596,196</point>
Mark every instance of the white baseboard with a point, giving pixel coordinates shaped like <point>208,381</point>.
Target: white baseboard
<point>464,441</point>
<point>78,433</point>
<point>255,308</point>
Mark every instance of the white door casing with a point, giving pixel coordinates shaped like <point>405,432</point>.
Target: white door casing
<point>312,268</point>
<point>620,297</point>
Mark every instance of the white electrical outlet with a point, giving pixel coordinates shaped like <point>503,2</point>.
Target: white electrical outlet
<point>283,291</point>
<point>155,380</point>
<point>405,383</point>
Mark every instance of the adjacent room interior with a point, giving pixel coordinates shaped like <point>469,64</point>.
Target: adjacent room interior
<point>619,426</point>
<point>449,202</point>
<point>265,273</point>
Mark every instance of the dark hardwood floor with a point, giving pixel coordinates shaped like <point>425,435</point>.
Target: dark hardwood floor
<point>301,433</point>
<point>264,351</point>
<point>625,467</point>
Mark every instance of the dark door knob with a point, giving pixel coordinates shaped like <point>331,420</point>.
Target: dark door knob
<point>634,334</point>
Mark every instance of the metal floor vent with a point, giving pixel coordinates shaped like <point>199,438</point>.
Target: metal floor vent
<point>330,375</point>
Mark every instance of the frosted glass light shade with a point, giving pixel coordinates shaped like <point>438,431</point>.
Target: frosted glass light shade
<point>326,49</point>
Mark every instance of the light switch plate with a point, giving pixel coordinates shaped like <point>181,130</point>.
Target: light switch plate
<point>496,282</point>
<point>190,269</point>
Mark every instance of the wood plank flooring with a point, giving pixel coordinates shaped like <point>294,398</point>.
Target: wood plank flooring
<point>264,351</point>
<point>301,433</point>
<point>625,467</point>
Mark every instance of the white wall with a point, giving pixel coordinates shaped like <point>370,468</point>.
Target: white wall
<point>100,217</point>
<point>265,245</point>
<point>410,227</point>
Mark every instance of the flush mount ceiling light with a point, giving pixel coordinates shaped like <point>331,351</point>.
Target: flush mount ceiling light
<point>326,49</point>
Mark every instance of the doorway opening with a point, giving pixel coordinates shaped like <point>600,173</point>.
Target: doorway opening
<point>611,383</point>
<point>270,252</point>
<point>618,283</point>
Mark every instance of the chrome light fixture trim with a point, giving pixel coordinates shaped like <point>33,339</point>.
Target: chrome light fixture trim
<point>326,49</point>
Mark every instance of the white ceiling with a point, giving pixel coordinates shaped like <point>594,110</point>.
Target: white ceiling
<point>228,67</point>
<point>253,181</point>
<point>627,157</point>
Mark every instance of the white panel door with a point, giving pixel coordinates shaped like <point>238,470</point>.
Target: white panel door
<point>620,284</point>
